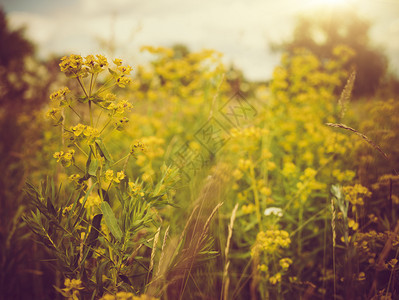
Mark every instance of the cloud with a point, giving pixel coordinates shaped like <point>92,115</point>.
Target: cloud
<point>39,29</point>
<point>241,30</point>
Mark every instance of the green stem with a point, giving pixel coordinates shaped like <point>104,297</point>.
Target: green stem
<point>106,124</point>
<point>91,114</point>
<point>79,168</point>
<point>123,158</point>
<point>300,222</point>
<point>82,86</point>
<point>256,196</point>
<point>70,106</point>
<point>81,150</point>
<point>91,84</point>
<point>104,88</point>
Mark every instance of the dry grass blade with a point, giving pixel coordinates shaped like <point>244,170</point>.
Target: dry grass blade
<point>215,96</point>
<point>187,224</point>
<point>208,221</point>
<point>154,248</point>
<point>162,251</point>
<point>230,234</point>
<point>381,259</point>
<point>226,279</point>
<point>370,142</point>
<point>346,94</point>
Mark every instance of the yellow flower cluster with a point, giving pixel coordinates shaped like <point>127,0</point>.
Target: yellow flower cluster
<point>369,244</point>
<point>285,263</point>
<point>356,194</point>
<point>342,176</point>
<point>121,123</point>
<point>135,189</point>
<point>137,146</point>
<point>254,132</point>
<point>248,209</point>
<point>67,209</point>
<point>110,177</point>
<point>270,241</point>
<point>119,108</point>
<point>244,164</point>
<point>84,132</point>
<point>60,96</point>
<point>66,158</point>
<point>75,66</point>
<point>72,65</point>
<point>91,201</point>
<point>72,287</point>
<point>275,278</point>
<point>126,296</point>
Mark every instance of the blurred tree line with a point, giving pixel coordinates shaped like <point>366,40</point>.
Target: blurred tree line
<point>25,85</point>
<point>24,89</point>
<point>321,32</point>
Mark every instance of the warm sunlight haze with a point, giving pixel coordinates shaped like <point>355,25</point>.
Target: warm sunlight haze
<point>197,150</point>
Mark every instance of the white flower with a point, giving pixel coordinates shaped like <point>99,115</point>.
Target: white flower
<point>274,211</point>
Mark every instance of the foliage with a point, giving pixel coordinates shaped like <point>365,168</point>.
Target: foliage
<point>24,85</point>
<point>95,230</point>
<point>322,32</point>
<point>200,191</point>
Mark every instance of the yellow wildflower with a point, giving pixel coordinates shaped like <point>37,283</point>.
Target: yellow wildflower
<point>66,158</point>
<point>72,66</point>
<point>123,81</point>
<point>275,279</point>
<point>285,263</point>
<point>117,61</point>
<point>78,129</point>
<point>119,176</point>
<point>109,175</point>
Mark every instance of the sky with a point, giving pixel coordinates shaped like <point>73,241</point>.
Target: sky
<point>241,29</point>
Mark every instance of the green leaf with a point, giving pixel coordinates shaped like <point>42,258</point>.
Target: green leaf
<point>59,121</point>
<point>113,73</point>
<point>83,99</point>
<point>105,195</point>
<point>111,221</point>
<point>78,219</point>
<point>92,170</point>
<point>93,235</point>
<point>101,270</point>
<point>103,151</point>
<point>50,207</point>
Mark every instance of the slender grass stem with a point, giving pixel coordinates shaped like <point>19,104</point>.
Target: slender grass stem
<point>91,114</point>
<point>82,86</point>
<point>91,84</point>
<point>256,196</point>
<point>70,106</point>
<point>81,150</point>
<point>119,160</point>
<point>106,124</point>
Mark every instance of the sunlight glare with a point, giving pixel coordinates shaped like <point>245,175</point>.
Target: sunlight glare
<point>333,2</point>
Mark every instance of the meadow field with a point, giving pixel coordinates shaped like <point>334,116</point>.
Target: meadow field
<point>179,179</point>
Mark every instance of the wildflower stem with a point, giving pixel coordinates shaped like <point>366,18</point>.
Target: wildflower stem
<point>91,84</point>
<point>79,168</point>
<point>81,150</point>
<point>91,114</point>
<point>125,164</point>
<point>82,86</point>
<point>256,196</point>
<point>123,158</point>
<point>70,106</point>
<point>105,126</point>
<point>104,87</point>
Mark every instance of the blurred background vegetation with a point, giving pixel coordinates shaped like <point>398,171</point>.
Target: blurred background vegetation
<point>169,99</point>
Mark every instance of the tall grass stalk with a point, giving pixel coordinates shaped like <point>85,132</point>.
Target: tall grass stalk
<point>226,278</point>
